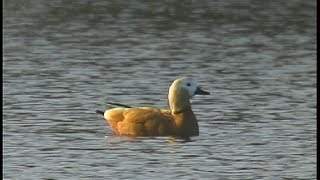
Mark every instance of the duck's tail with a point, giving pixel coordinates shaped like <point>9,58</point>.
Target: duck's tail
<point>100,112</point>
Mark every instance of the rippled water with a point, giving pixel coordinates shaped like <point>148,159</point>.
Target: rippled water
<point>256,58</point>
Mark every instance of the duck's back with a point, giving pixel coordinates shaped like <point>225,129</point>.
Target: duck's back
<point>141,121</point>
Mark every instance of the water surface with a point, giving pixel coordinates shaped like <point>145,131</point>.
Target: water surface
<point>256,58</point>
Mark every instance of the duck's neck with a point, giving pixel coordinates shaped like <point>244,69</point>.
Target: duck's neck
<point>179,102</point>
<point>185,119</point>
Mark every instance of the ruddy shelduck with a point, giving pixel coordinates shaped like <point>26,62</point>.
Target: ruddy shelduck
<point>147,121</point>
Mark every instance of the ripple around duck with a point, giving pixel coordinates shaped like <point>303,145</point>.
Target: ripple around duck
<point>256,59</point>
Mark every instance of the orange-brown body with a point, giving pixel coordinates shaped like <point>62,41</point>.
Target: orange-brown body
<point>146,121</point>
<point>152,122</point>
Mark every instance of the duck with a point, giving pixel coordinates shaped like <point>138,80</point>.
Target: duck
<point>179,120</point>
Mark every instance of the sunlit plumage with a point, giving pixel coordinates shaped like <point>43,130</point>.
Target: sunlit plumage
<point>146,121</point>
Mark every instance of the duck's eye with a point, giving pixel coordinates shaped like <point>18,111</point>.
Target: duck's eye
<point>188,84</point>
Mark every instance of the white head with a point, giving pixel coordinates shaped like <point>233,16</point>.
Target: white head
<point>181,91</point>
<point>189,85</point>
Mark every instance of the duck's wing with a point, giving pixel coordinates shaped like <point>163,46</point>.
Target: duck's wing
<point>140,121</point>
<point>110,105</point>
<point>113,104</point>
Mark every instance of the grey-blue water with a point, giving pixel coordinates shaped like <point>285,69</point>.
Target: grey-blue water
<point>257,58</point>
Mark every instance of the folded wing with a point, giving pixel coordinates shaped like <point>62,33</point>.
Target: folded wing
<point>141,121</point>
